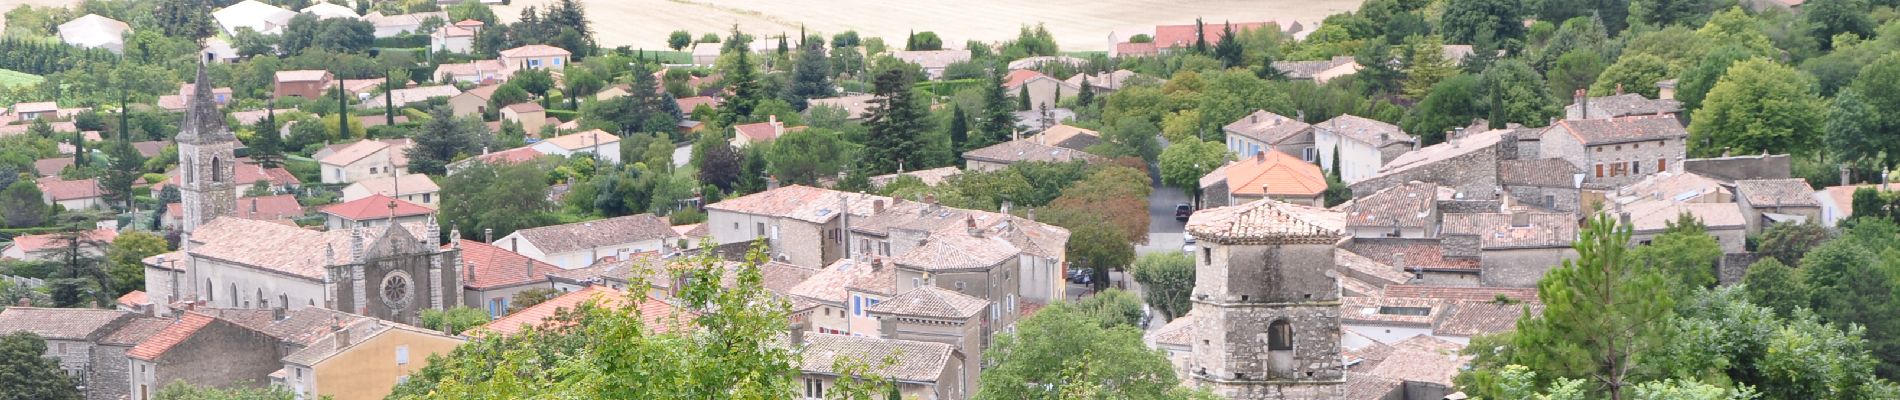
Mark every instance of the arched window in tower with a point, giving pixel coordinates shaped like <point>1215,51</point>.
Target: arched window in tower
<point>211,292</point>
<point>261,301</point>
<point>191,170</point>
<point>1280,336</point>
<point>234,296</point>
<point>217,170</point>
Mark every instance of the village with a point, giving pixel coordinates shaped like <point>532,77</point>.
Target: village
<point>420,199</point>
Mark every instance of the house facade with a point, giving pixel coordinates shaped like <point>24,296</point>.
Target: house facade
<point>1358,146</point>
<point>1262,131</point>
<point>1614,152</point>
<point>309,84</point>
<point>580,244</point>
<point>362,361</point>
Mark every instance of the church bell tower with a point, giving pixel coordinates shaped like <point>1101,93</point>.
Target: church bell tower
<point>207,157</point>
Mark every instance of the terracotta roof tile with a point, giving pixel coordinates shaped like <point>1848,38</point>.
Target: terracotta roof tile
<point>1594,132</point>
<point>1266,127</point>
<point>1433,364</point>
<point>491,267</point>
<point>1544,173</point>
<point>49,241</point>
<point>1460,293</point>
<point>933,302</point>
<point>133,299</point>
<point>135,331</point>
<point>598,233</point>
<point>1267,220</point>
<point>535,50</point>
<point>1381,311</point>
<point>1280,173</point>
<point>958,252</point>
<point>912,361</point>
<point>1179,332</point>
<point>413,183</point>
<point>932,58</point>
<point>302,75</point>
<point>1517,230</point>
<point>1409,254</point>
<point>658,314</point>
<point>832,283</point>
<point>1410,205</point>
<point>375,207</point>
<point>52,166</point>
<point>1026,150</point>
<point>1472,318</point>
<point>1364,130</point>
<point>262,208</point>
<point>63,190</point>
<point>1179,36</point>
<point>156,346</point>
<point>61,323</point>
<point>799,202</point>
<point>1777,192</point>
<point>583,140</point>
<point>1067,136</point>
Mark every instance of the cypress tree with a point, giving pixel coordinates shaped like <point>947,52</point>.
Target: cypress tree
<point>959,129</point>
<point>1086,95</point>
<point>1022,98</point>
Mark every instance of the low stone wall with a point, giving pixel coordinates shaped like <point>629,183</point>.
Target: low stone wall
<point>1733,266</point>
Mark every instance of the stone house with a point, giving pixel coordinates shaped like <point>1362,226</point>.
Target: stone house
<point>205,351</point>
<point>1361,276</point>
<point>308,84</point>
<point>492,276</point>
<point>1269,173</point>
<point>580,244</point>
<point>90,344</point>
<point>1262,130</point>
<point>1067,136</point>
<point>1387,319</point>
<point>472,102</point>
<point>800,224</point>
<point>364,159</point>
<point>282,208</point>
<point>604,146</point>
<point>899,227</point>
<point>1362,145</point>
<point>49,246</point>
<point>1449,261</point>
<point>1551,183</point>
<point>1766,202</point>
<point>1266,301</point>
<point>1516,248</point>
<point>1002,155</point>
<point>974,264</point>
<point>1405,211</point>
<point>35,110</point>
<point>1617,151</point>
<point>842,292</point>
<point>1725,221</point>
<point>1176,340</point>
<point>530,115</point>
<point>933,62</point>
<point>922,370</point>
<point>1110,82</point>
<point>363,360</point>
<point>535,56</point>
<point>1467,164</point>
<point>1045,92</point>
<point>1620,105</point>
<point>933,314</point>
<point>413,188</point>
<point>374,211</point>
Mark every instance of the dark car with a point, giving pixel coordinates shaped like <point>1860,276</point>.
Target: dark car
<point>1081,276</point>
<point>1182,212</point>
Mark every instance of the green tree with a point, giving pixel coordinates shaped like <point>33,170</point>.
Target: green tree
<point>1423,63</point>
<point>21,205</point>
<point>1760,105</point>
<point>1633,73</point>
<point>1049,348</point>
<point>531,297</point>
<point>1184,162</point>
<point>959,129</point>
<point>503,197</point>
<point>1789,242</point>
<point>806,156</point>
<point>997,120</point>
<point>444,138</point>
<point>28,374</point>
<point>268,147</point>
<point>1662,13</point>
<point>1228,51</point>
<point>811,76</point>
<point>1575,70</point>
<point>742,80</point>
<point>190,19</point>
<point>1453,102</point>
<point>1132,136</point>
<point>128,249</point>
<point>1517,94</point>
<point>1167,279</point>
<point>1602,312</point>
<point>1100,248</point>
<point>1849,283</point>
<point>1873,87</point>
<point>1696,82</point>
<point>580,82</point>
<point>1771,284</point>
<point>1113,307</point>
<point>179,390</point>
<point>1853,132</point>
<point>678,40</point>
<point>123,168</point>
<point>896,121</point>
<point>1828,18</point>
<point>1685,253</point>
<point>1465,21</point>
<point>454,320</point>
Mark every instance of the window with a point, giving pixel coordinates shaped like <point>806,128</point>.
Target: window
<point>1636,168</point>
<point>1619,169</point>
<point>557,61</point>
<point>915,282</point>
<point>1307,154</point>
<point>1280,336</point>
<point>425,198</point>
<point>857,306</point>
<point>211,293</point>
<point>1599,170</point>
<point>884,248</point>
<point>534,63</point>
<point>814,388</point>
<point>402,355</point>
<point>1662,165</point>
<point>961,286</point>
<point>1415,311</point>
<point>759,228</point>
<point>402,379</point>
<point>1207,255</point>
<point>864,246</point>
<point>497,306</point>
<point>216,165</point>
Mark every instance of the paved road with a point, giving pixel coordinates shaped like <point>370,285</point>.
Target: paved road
<point>1164,232</point>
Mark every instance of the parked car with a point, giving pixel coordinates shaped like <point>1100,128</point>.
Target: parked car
<point>1188,246</point>
<point>1183,211</point>
<point>1081,276</point>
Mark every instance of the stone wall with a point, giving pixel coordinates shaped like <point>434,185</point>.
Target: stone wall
<point>1733,266</point>
<point>1473,172</point>
<point>107,380</point>
<point>1472,203</point>
<point>1555,199</point>
<point>221,354</point>
<point>1461,246</point>
<point>1734,168</point>
<point>1215,195</point>
<point>1242,290</point>
<point>1521,267</point>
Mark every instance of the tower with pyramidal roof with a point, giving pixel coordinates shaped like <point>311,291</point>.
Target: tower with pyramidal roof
<point>206,154</point>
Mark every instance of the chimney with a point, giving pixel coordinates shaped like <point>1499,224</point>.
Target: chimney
<point>1260,156</point>
<point>931,199</point>
<point>1263,191</point>
<point>1844,174</point>
<point>969,224</point>
<point>1623,218</point>
<point>1583,104</point>
<point>471,272</point>
<point>1005,207</point>
<point>530,263</point>
<point>1619,88</point>
<point>1030,214</point>
<point>356,245</point>
<point>277,313</point>
<point>342,337</point>
<point>877,206</point>
<point>771,182</point>
<point>514,245</point>
<point>488,235</point>
<point>798,335</point>
<point>1255,118</point>
<point>253,206</point>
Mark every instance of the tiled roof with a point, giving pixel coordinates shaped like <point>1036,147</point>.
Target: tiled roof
<point>34,107</point>
<point>931,177</point>
<point>1594,132</point>
<point>1443,151</point>
<point>1673,186</point>
<point>1126,49</point>
<point>360,332</point>
<point>1267,220</point>
<point>910,361</point>
<point>1654,216</point>
<point>954,252</point>
<point>1368,310</point>
<point>413,183</point>
<point>1513,231</point>
<point>248,172</point>
<point>930,59</point>
<point>471,68</point>
<point>535,50</point>
<point>49,241</point>
<point>1178,36</point>
<point>1621,105</point>
<point>688,104</point>
<point>598,233</point>
<point>1777,192</point>
<point>491,267</point>
<point>1026,150</point>
<point>1409,205</point>
<point>483,92</point>
<point>1266,127</point>
<point>528,107</point>
<point>1274,173</point>
<point>302,75</point>
<point>156,345</point>
<point>1373,274</point>
<point>1308,69</point>
<point>1366,386</point>
<point>1412,254</point>
<point>692,231</point>
<point>644,266</point>
<point>799,202</point>
<point>62,190</point>
<point>135,331</point>
<point>1109,81</point>
<point>1067,136</point>
<point>83,324</point>
<point>412,95</point>
<point>760,131</point>
<point>1471,318</point>
<point>350,153</point>
<point>1413,364</point>
<point>658,314</point>
<point>263,208</point>
<point>932,302</point>
<point>1364,130</point>
<point>777,276</point>
<point>511,156</point>
<point>1017,77</point>
<point>1179,332</point>
<point>583,140</point>
<point>374,207</point>
<point>133,299</point>
<point>830,285</point>
<point>279,248</point>
<point>1460,293</point>
<point>1544,173</point>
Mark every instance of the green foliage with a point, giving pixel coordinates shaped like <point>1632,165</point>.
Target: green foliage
<point>1467,21</point>
<point>678,40</point>
<point>1516,93</point>
<point>806,156</point>
<point>1167,279</point>
<point>1603,311</point>
<point>1575,70</point>
<point>811,77</point>
<point>1849,283</point>
<point>179,390</point>
<point>1697,82</point>
<point>1759,105</point>
<point>1453,102</point>
<point>445,138</point>
<point>1424,64</point>
<point>502,197</point>
<point>1789,242</point>
<point>1829,18</point>
<point>1062,346</point>
<point>125,255</point>
<point>1686,254</point>
<point>1634,73</point>
<point>1112,307</point>
<point>1184,162</point>
<point>1662,13</point>
<point>454,320</point>
<point>896,122</point>
<point>1774,285</point>
<point>28,374</point>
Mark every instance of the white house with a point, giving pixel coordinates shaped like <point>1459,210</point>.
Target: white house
<point>81,194</point>
<point>580,244</point>
<point>605,146</point>
<point>263,18</point>
<point>363,160</point>
<point>95,31</point>
<point>1363,145</point>
<point>325,10</point>
<point>47,246</point>
<point>413,188</point>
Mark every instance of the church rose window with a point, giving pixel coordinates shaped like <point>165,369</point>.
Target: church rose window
<point>396,289</point>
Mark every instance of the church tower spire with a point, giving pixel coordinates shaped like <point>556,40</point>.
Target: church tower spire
<point>207,155</point>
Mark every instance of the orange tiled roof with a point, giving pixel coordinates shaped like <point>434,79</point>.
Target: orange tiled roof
<point>1283,175</point>
<point>158,344</point>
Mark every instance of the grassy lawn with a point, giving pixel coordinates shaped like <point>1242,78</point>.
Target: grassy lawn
<point>16,78</point>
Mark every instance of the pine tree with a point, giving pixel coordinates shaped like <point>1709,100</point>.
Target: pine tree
<point>959,129</point>
<point>124,169</point>
<point>998,115</point>
<point>896,120</point>
<point>1200,36</point>
<point>1086,95</point>
<point>811,77</point>
<point>1228,50</point>
<point>1022,98</point>
<point>269,149</point>
<point>79,150</point>
<point>1602,312</point>
<point>746,90</point>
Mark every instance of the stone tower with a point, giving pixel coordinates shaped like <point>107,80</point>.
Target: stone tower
<point>1266,302</point>
<point>206,154</point>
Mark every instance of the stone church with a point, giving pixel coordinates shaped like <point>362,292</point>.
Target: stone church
<point>1266,302</point>
<point>390,272</point>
